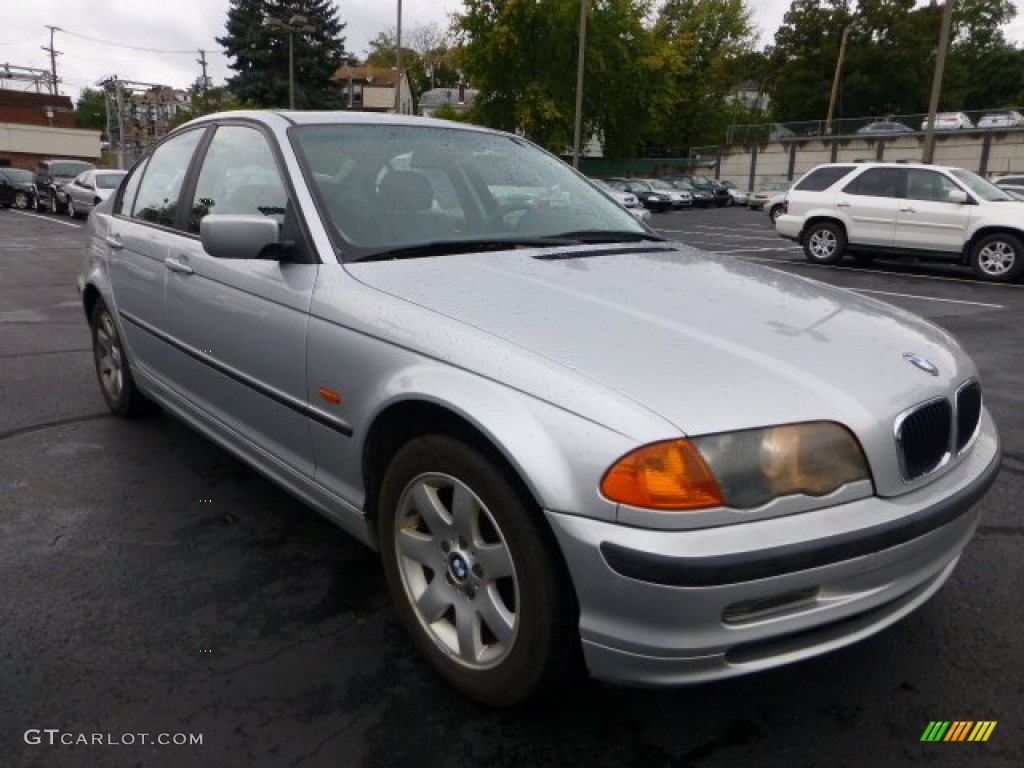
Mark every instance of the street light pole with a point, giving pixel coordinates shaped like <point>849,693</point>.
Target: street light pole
<point>940,65</point>
<point>297,23</point>
<point>577,128</point>
<point>398,61</point>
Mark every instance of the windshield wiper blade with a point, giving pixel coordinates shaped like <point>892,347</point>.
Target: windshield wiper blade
<point>452,247</point>
<point>586,236</point>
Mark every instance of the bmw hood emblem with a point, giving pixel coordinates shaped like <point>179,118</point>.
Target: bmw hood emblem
<point>921,363</point>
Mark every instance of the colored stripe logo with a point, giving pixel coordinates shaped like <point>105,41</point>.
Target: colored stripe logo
<point>958,730</point>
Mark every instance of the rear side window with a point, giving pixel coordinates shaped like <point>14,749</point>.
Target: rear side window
<point>157,198</point>
<point>878,182</point>
<point>822,178</point>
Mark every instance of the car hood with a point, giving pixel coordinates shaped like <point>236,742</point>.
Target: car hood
<point>708,343</point>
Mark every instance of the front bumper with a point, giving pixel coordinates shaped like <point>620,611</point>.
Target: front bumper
<point>672,607</point>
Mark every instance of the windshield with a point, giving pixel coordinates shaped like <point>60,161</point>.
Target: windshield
<point>986,190</point>
<point>388,188</point>
<point>108,180</point>
<point>69,169</point>
<point>18,175</point>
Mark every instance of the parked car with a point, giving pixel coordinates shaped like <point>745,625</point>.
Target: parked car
<point>902,209</point>
<point>884,127</point>
<point>1007,118</point>
<point>1012,183</point>
<point>563,433</point>
<point>719,195</point>
<point>627,200</point>
<point>701,197</point>
<point>657,202</point>
<point>776,206</point>
<point>17,188</point>
<point>50,178</point>
<point>949,121</point>
<point>89,189</point>
<point>768,190</point>
<point>680,198</point>
<point>738,196</point>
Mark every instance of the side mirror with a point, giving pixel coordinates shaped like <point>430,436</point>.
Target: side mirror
<point>238,236</point>
<point>957,196</point>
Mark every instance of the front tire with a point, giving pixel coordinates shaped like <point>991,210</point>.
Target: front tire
<point>824,243</point>
<point>112,369</point>
<point>998,257</point>
<point>22,200</point>
<point>474,573</point>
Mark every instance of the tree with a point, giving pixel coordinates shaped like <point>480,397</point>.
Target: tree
<point>522,55</point>
<point>426,56</point>
<point>260,53</point>
<point>91,110</point>
<point>706,39</point>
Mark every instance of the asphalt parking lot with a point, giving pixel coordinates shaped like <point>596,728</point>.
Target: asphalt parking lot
<point>155,590</point>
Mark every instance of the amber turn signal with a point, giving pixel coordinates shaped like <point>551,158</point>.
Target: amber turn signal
<point>667,475</point>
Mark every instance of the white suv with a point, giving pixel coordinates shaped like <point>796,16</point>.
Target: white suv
<point>906,209</point>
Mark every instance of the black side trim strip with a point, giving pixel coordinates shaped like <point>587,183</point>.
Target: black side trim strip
<point>300,407</point>
<point>737,568</point>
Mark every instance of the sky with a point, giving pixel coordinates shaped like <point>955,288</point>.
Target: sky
<point>158,41</point>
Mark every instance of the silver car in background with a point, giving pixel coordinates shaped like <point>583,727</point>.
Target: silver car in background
<point>89,189</point>
<point>627,200</point>
<point>564,434</point>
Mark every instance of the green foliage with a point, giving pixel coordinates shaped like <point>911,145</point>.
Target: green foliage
<point>260,53</point>
<point>522,56</point>
<point>91,110</point>
<point>206,101</point>
<point>890,58</point>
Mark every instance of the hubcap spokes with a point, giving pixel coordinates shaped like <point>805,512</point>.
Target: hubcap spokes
<point>457,571</point>
<point>996,258</point>
<point>108,357</point>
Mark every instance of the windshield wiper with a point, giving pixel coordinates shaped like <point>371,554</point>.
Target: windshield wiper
<point>452,247</point>
<point>587,236</point>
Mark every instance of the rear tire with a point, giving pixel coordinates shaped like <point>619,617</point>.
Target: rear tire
<point>998,257</point>
<point>824,243</point>
<point>111,362</point>
<point>474,572</point>
<point>74,214</point>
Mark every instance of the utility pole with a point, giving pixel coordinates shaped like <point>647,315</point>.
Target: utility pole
<point>201,61</point>
<point>577,128</point>
<point>398,61</point>
<point>940,66</point>
<point>205,83</point>
<point>54,53</point>
<point>835,82</point>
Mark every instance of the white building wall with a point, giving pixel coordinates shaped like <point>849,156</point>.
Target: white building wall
<point>49,141</point>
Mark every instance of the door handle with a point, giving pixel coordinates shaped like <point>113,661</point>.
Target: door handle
<point>908,210</point>
<point>842,205</point>
<point>175,265</point>
<point>114,242</point>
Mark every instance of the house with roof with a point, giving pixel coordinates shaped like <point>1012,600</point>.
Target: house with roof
<point>372,89</point>
<point>460,99</point>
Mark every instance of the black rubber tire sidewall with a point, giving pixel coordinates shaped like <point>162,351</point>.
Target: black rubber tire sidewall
<point>1010,275</point>
<point>547,636</point>
<point>840,236</point>
<point>131,402</point>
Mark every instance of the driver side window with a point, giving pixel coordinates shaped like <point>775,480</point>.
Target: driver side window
<point>239,176</point>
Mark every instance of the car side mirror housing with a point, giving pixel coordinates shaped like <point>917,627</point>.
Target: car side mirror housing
<point>957,196</point>
<point>240,236</point>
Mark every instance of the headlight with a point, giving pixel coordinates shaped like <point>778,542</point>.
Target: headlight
<point>742,470</point>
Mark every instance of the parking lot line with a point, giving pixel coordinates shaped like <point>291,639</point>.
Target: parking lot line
<point>875,271</point>
<point>49,218</point>
<point>930,298</point>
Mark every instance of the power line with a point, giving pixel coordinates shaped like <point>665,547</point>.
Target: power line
<point>121,45</point>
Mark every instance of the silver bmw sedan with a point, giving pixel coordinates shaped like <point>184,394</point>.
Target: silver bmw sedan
<point>567,437</point>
